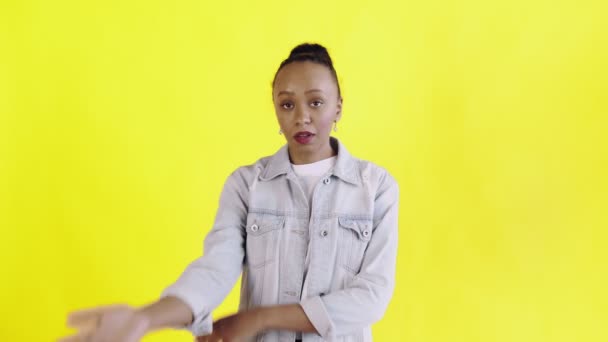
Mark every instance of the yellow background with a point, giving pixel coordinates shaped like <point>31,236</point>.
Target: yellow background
<point>120,121</point>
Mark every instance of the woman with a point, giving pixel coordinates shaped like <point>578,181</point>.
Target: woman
<point>312,230</point>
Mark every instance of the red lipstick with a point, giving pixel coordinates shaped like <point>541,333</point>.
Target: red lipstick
<point>303,137</point>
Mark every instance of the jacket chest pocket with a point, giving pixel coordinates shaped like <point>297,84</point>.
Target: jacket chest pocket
<point>354,236</point>
<point>263,234</point>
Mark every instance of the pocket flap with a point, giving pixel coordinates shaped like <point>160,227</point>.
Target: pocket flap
<point>258,224</point>
<point>362,227</point>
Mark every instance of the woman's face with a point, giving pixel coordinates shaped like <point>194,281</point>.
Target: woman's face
<point>307,103</point>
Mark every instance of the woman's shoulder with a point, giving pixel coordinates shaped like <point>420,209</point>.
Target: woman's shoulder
<point>249,172</point>
<point>375,173</point>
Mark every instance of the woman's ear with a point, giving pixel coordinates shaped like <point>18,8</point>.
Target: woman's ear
<point>339,110</point>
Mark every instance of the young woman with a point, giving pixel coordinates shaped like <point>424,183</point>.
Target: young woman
<point>312,230</point>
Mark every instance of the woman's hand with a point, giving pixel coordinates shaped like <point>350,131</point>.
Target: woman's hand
<point>116,323</point>
<point>236,328</point>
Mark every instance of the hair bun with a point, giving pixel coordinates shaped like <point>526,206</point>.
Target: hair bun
<point>316,50</point>
<point>310,52</point>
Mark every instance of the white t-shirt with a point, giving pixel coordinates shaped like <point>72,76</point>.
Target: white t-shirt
<point>309,175</point>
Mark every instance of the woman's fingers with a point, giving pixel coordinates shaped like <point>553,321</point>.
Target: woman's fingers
<point>84,318</point>
<point>112,323</point>
<point>136,330</point>
<point>81,337</point>
<point>88,322</point>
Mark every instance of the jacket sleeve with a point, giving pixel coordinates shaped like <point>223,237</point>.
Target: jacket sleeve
<point>366,298</point>
<point>206,281</point>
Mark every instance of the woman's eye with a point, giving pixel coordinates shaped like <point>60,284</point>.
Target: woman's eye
<point>316,103</point>
<point>287,105</point>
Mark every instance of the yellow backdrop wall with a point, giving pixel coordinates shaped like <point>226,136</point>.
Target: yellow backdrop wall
<point>120,121</point>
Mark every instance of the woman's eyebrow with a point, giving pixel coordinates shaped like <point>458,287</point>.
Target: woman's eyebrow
<point>287,92</point>
<point>313,90</point>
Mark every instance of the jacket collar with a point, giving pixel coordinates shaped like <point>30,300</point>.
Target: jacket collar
<point>345,168</point>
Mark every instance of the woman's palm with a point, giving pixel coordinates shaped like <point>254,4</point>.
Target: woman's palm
<point>116,323</point>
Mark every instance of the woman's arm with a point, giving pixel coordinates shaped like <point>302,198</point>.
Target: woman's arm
<point>250,323</point>
<point>188,302</point>
<point>168,312</point>
<point>286,317</point>
<point>207,280</point>
<point>124,323</point>
<point>365,299</point>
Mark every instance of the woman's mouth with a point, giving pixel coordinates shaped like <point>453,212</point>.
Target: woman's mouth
<point>303,137</point>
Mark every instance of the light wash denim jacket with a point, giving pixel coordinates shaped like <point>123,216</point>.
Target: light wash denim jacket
<point>263,227</point>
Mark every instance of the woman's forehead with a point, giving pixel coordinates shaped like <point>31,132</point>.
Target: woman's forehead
<point>304,76</point>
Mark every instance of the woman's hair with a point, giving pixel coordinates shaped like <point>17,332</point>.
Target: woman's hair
<point>315,53</point>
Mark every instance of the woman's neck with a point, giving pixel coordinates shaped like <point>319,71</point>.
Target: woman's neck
<point>313,157</point>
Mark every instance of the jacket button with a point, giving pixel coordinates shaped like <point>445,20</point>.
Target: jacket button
<point>254,228</point>
<point>324,233</point>
<point>366,233</point>
<point>326,181</point>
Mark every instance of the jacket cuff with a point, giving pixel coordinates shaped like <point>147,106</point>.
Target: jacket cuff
<point>203,321</point>
<point>319,317</point>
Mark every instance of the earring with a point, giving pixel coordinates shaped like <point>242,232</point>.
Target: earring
<point>336,126</point>
<point>280,131</point>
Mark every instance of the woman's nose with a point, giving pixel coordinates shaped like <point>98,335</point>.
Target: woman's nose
<point>302,116</point>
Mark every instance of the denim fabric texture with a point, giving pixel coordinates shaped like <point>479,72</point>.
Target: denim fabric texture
<point>262,229</point>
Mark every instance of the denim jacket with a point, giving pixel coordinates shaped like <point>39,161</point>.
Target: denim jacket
<point>262,229</point>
